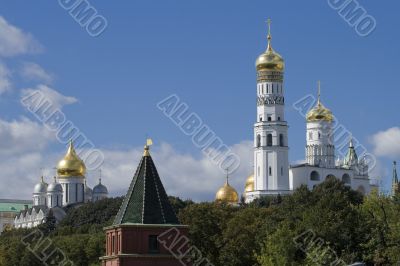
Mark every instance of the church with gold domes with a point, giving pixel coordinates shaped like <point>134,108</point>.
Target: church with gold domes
<point>69,188</point>
<point>273,175</point>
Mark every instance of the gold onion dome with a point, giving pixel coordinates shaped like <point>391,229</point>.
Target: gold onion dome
<point>227,194</point>
<point>249,183</point>
<point>71,165</point>
<point>270,60</point>
<point>319,112</point>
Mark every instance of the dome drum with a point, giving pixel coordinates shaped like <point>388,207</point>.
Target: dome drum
<point>265,75</point>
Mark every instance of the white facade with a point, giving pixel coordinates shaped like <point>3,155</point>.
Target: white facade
<point>54,195</point>
<point>73,190</point>
<point>320,149</point>
<point>272,173</point>
<point>313,175</point>
<point>39,193</point>
<point>31,217</point>
<point>320,157</point>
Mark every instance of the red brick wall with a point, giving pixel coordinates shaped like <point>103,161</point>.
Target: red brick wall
<point>135,240</point>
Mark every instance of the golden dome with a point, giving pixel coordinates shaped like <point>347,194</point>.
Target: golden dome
<point>270,60</point>
<point>227,194</point>
<point>71,165</point>
<point>249,184</point>
<point>319,112</point>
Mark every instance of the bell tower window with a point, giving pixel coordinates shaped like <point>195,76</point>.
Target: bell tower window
<point>269,140</point>
<point>281,142</point>
<point>258,140</point>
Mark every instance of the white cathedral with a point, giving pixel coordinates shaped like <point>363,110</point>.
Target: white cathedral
<point>272,173</point>
<point>69,188</point>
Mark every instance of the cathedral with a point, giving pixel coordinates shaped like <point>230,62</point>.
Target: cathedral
<point>69,188</point>
<point>273,175</point>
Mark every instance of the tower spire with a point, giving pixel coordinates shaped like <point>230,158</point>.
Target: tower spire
<point>395,180</point>
<point>227,176</point>
<point>319,92</point>
<point>269,36</point>
<point>149,142</point>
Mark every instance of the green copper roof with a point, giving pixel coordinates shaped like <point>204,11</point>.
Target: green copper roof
<point>146,201</point>
<point>14,205</point>
<point>351,157</point>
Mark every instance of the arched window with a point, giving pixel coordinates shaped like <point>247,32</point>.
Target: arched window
<point>281,141</point>
<point>269,118</point>
<point>258,140</point>
<point>310,135</point>
<point>346,179</point>
<point>269,140</point>
<point>270,170</point>
<point>314,176</point>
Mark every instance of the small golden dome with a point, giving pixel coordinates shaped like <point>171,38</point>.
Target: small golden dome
<point>319,112</point>
<point>71,165</point>
<point>270,60</point>
<point>227,194</point>
<point>249,184</point>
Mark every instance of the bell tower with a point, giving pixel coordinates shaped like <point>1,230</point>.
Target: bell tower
<point>271,166</point>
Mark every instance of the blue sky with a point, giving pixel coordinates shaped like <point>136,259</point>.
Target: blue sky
<point>204,51</point>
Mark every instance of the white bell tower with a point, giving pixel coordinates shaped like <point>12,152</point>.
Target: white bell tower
<point>271,160</point>
<point>320,149</point>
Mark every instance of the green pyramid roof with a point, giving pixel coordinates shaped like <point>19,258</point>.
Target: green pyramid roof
<point>146,201</point>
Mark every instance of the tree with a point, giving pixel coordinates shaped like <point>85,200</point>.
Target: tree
<point>279,248</point>
<point>382,219</point>
<point>243,236</point>
<point>207,221</point>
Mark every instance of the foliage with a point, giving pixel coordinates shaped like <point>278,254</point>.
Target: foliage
<point>316,227</point>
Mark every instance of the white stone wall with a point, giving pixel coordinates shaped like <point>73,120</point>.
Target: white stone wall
<point>30,220</point>
<point>320,149</point>
<point>303,175</point>
<point>271,167</point>
<point>39,199</point>
<point>73,189</point>
<point>54,200</point>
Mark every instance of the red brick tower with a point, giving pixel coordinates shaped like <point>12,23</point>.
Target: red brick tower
<point>146,231</point>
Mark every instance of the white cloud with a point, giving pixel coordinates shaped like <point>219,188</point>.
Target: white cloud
<point>387,143</point>
<point>182,174</point>
<point>56,99</point>
<point>22,136</point>
<point>32,71</point>
<point>13,41</point>
<point>5,82</point>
